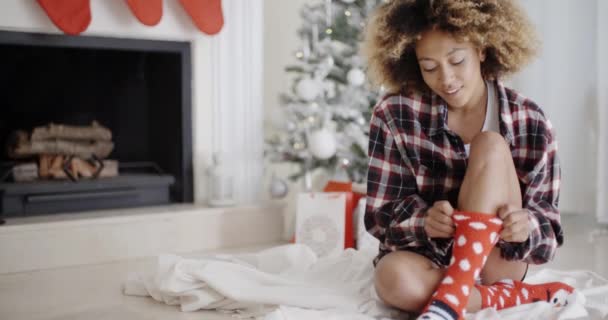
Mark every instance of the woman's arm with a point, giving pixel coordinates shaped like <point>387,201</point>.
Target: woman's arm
<point>540,198</point>
<point>395,212</point>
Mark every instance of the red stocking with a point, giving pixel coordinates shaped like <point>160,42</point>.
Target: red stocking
<point>206,14</point>
<point>71,16</point>
<point>147,12</point>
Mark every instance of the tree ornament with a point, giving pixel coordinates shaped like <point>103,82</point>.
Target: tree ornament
<point>278,188</point>
<point>355,77</point>
<point>322,144</point>
<point>307,89</point>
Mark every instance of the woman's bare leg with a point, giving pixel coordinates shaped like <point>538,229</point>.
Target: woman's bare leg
<point>491,182</point>
<point>406,280</point>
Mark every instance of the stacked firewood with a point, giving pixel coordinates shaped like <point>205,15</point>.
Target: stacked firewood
<point>63,151</point>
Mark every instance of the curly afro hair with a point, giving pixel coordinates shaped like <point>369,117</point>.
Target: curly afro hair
<point>499,27</point>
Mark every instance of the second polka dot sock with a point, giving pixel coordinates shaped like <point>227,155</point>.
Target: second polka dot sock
<point>509,293</point>
<point>474,237</point>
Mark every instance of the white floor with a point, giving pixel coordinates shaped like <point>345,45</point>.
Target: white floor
<point>94,291</point>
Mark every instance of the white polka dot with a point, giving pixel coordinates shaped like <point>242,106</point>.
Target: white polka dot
<point>460,217</point>
<point>493,237</point>
<point>517,301</point>
<point>465,290</point>
<point>506,292</point>
<point>478,225</point>
<point>477,247</point>
<point>452,298</point>
<point>476,273</point>
<point>448,280</point>
<point>502,302</point>
<point>496,221</point>
<point>452,260</point>
<point>507,282</point>
<point>491,291</point>
<point>464,265</point>
<point>495,306</point>
<point>462,241</point>
<point>484,261</point>
<point>525,293</point>
<point>489,301</point>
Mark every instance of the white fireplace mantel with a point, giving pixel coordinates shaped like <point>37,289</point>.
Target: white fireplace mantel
<point>227,112</point>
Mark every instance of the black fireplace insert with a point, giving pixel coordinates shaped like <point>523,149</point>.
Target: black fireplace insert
<point>139,89</point>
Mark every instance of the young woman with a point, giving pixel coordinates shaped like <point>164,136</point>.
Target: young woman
<point>463,179</point>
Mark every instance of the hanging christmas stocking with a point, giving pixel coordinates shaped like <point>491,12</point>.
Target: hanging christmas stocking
<point>71,16</point>
<point>147,12</point>
<point>206,14</point>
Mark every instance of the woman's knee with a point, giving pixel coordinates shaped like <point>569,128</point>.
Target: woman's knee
<point>489,145</point>
<point>497,268</point>
<point>405,280</point>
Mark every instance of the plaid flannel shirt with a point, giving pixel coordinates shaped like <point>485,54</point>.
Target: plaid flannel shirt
<point>415,160</point>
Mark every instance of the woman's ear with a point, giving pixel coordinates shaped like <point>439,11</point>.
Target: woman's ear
<point>482,54</point>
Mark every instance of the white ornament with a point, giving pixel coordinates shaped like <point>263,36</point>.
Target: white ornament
<point>308,89</point>
<point>278,188</point>
<point>322,144</point>
<point>355,77</point>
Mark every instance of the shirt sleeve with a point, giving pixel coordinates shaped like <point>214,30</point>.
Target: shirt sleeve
<point>395,212</point>
<point>540,198</point>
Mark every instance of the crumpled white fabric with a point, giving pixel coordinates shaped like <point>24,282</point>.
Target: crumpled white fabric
<point>289,283</point>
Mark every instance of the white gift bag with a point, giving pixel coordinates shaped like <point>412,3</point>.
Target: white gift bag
<point>320,222</point>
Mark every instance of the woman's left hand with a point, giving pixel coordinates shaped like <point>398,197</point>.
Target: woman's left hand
<point>515,223</point>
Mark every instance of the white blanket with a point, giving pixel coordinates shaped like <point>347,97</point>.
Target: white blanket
<point>290,283</point>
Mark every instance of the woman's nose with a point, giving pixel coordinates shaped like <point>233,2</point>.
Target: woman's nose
<point>446,76</point>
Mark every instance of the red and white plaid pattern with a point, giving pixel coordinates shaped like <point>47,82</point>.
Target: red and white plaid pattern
<point>415,160</point>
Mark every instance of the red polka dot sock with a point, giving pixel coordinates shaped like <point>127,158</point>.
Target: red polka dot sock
<point>509,293</point>
<point>474,237</point>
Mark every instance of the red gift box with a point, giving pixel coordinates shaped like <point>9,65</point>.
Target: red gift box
<point>352,198</point>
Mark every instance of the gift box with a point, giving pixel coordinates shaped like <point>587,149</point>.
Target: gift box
<point>323,217</point>
<point>352,199</point>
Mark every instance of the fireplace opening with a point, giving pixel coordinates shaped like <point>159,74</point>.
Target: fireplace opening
<point>140,90</point>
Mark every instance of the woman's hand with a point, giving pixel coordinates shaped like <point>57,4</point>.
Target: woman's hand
<point>438,221</point>
<point>515,223</point>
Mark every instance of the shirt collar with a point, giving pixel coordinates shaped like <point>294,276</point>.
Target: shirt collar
<point>439,112</point>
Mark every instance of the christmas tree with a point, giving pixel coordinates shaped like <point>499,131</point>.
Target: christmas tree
<point>325,116</point>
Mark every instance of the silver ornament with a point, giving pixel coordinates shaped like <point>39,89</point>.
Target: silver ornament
<point>278,188</point>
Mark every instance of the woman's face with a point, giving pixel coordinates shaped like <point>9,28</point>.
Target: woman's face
<point>451,68</point>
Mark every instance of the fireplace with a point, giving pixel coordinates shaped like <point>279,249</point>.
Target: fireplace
<point>139,89</point>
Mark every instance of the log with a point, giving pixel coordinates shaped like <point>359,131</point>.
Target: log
<point>52,167</point>
<point>59,131</point>
<point>85,150</point>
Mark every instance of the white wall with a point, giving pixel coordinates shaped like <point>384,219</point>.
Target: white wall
<point>602,98</point>
<point>562,81</point>
<point>227,72</point>
<point>281,21</point>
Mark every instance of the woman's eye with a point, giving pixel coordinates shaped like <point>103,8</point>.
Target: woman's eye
<point>429,69</point>
<point>458,62</point>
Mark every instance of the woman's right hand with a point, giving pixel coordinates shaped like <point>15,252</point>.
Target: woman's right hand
<point>438,221</point>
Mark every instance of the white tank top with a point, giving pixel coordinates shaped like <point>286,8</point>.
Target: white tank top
<point>491,122</point>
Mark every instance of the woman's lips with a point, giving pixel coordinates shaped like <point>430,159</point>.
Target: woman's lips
<point>452,92</point>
